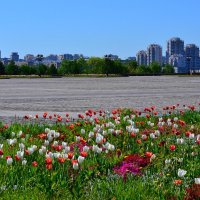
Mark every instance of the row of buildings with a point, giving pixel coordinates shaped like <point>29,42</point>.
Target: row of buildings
<point>184,59</point>
<point>31,60</point>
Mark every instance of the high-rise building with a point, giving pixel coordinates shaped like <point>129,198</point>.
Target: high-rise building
<point>175,46</point>
<point>14,56</point>
<point>142,58</point>
<point>192,57</point>
<point>178,62</point>
<point>29,58</point>
<point>154,54</point>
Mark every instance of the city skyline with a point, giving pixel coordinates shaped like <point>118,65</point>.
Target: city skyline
<point>95,28</point>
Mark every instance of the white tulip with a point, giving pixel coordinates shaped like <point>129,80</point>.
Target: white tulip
<point>47,130</point>
<point>20,154</point>
<point>24,162</point>
<point>57,135</point>
<point>180,141</point>
<point>9,161</point>
<point>64,144</point>
<point>91,134</point>
<point>152,136</point>
<point>67,149</point>
<point>75,166</point>
<point>167,161</point>
<point>46,143</point>
<point>191,136</point>
<point>181,172</point>
<point>13,134</point>
<point>80,159</point>
<point>1,146</point>
<point>82,131</point>
<point>21,146</point>
<point>197,181</point>
<point>86,148</point>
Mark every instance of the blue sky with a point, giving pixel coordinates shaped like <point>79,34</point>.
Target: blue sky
<point>95,27</point>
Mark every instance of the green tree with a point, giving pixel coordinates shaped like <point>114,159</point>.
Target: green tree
<point>155,68</point>
<point>168,69</point>
<point>96,65</point>
<point>2,68</point>
<point>132,66</point>
<point>24,70</point>
<point>66,67</point>
<point>41,69</point>
<point>11,68</point>
<point>52,70</point>
<point>142,69</point>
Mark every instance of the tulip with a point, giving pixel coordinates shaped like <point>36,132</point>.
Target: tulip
<point>172,147</point>
<point>1,152</point>
<point>48,161</point>
<point>49,166</point>
<point>34,164</point>
<point>197,181</point>
<point>24,162</point>
<point>86,148</point>
<point>177,182</point>
<point>75,166</point>
<point>148,154</point>
<point>9,161</point>
<point>181,172</point>
<point>180,141</point>
<point>80,159</point>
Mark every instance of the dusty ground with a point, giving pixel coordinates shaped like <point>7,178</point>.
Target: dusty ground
<point>31,96</point>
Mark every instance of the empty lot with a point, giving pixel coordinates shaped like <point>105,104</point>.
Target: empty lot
<point>24,96</point>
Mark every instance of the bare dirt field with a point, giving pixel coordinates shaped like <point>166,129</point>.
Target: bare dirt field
<point>73,95</point>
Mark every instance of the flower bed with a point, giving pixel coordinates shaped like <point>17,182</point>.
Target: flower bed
<point>103,154</point>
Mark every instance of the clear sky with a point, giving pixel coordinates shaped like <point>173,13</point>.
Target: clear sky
<point>95,27</point>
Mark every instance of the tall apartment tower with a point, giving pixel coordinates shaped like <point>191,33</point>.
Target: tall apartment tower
<point>14,56</point>
<point>175,46</point>
<point>142,58</point>
<point>154,54</point>
<point>192,57</point>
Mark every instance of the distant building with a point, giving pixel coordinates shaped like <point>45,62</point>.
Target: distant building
<point>132,58</point>
<point>192,57</point>
<point>111,57</point>
<point>178,62</point>
<point>29,58</point>
<point>142,58</point>
<point>66,57</point>
<point>52,57</point>
<point>175,46</point>
<point>14,56</point>
<point>154,54</point>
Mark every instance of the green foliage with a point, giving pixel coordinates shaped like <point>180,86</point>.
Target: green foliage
<point>155,68</point>
<point>11,68</point>
<point>168,69</point>
<point>2,68</point>
<point>52,70</point>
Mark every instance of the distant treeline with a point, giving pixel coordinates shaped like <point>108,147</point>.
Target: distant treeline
<point>94,65</point>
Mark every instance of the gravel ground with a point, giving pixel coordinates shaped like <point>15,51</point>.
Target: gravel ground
<point>74,95</point>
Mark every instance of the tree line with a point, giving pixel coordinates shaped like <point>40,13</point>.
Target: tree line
<point>94,65</point>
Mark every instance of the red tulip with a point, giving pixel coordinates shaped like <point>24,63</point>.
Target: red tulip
<point>34,164</point>
<point>70,155</point>
<point>49,166</point>
<point>1,152</point>
<point>84,153</point>
<point>177,182</point>
<point>148,154</point>
<point>61,160</point>
<point>48,161</point>
<point>172,147</point>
